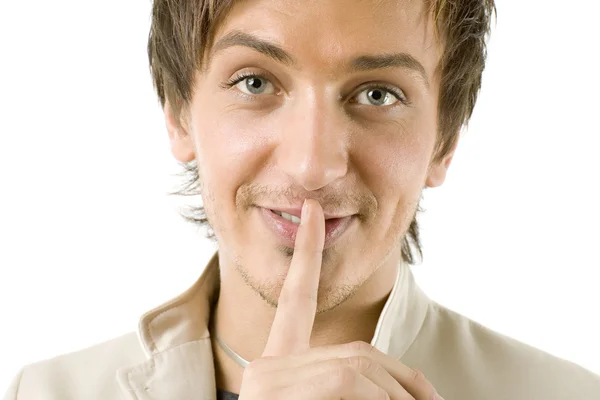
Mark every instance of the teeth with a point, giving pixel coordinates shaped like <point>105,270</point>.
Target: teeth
<point>292,218</point>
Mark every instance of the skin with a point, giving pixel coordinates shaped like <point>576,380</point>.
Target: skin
<point>312,133</point>
<point>289,368</point>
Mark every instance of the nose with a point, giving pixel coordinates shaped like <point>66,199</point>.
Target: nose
<point>314,145</point>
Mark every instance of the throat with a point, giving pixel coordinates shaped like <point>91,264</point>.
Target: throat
<point>358,325</point>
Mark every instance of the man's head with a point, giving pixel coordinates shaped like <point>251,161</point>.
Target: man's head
<point>358,104</point>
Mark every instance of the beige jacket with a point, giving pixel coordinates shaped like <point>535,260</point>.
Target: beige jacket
<point>170,357</point>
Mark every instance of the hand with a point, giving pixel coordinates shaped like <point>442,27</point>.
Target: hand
<point>289,369</point>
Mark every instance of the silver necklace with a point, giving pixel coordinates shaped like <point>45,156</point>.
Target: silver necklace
<point>235,356</point>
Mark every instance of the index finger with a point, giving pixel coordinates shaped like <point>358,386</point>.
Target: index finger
<point>297,304</point>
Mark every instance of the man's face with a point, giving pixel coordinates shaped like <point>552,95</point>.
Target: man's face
<point>345,112</point>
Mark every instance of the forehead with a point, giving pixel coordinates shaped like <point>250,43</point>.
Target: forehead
<point>326,33</point>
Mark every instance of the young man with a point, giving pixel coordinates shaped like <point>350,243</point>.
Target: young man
<point>311,129</point>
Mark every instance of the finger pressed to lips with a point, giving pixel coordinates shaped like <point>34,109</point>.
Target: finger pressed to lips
<point>288,345</point>
<point>297,304</point>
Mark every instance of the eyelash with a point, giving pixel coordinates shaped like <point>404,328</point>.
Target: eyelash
<point>389,89</point>
<point>237,79</point>
<point>245,75</point>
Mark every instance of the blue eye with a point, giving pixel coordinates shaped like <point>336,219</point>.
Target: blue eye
<point>377,97</point>
<point>252,85</point>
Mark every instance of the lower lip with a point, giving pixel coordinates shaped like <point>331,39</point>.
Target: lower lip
<point>285,230</point>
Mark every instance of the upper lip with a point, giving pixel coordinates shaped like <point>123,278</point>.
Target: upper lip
<point>297,212</point>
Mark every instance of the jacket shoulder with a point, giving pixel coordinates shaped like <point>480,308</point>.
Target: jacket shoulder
<point>87,373</point>
<point>472,361</point>
<point>13,388</point>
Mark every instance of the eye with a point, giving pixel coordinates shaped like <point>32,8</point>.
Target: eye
<point>377,96</point>
<point>254,85</point>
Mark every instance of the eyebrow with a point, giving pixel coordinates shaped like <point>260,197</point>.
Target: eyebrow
<point>237,38</point>
<point>361,63</point>
<point>393,60</point>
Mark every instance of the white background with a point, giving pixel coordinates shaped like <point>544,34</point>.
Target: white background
<point>89,239</point>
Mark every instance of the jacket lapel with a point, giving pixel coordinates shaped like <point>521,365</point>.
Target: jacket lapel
<point>184,372</point>
<point>176,340</point>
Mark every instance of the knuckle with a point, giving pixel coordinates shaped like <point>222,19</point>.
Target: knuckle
<point>360,347</point>
<point>293,293</point>
<point>417,377</point>
<point>294,296</point>
<point>361,363</point>
<point>432,394</point>
<point>309,250</point>
<point>425,387</point>
<point>378,369</point>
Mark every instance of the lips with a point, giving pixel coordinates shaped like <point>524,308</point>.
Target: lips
<point>285,230</point>
<point>297,211</point>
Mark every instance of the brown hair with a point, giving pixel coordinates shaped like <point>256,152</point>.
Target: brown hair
<point>182,30</point>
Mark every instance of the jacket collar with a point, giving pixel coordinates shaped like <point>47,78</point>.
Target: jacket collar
<point>176,339</point>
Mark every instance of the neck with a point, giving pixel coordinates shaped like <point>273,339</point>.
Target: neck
<point>247,333</point>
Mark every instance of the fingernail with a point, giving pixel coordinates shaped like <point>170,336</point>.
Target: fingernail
<point>305,210</point>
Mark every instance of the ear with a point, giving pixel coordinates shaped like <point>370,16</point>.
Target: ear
<point>437,172</point>
<point>182,146</point>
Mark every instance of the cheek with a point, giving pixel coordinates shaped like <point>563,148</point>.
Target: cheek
<point>395,162</point>
<point>230,151</point>
<point>394,168</point>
